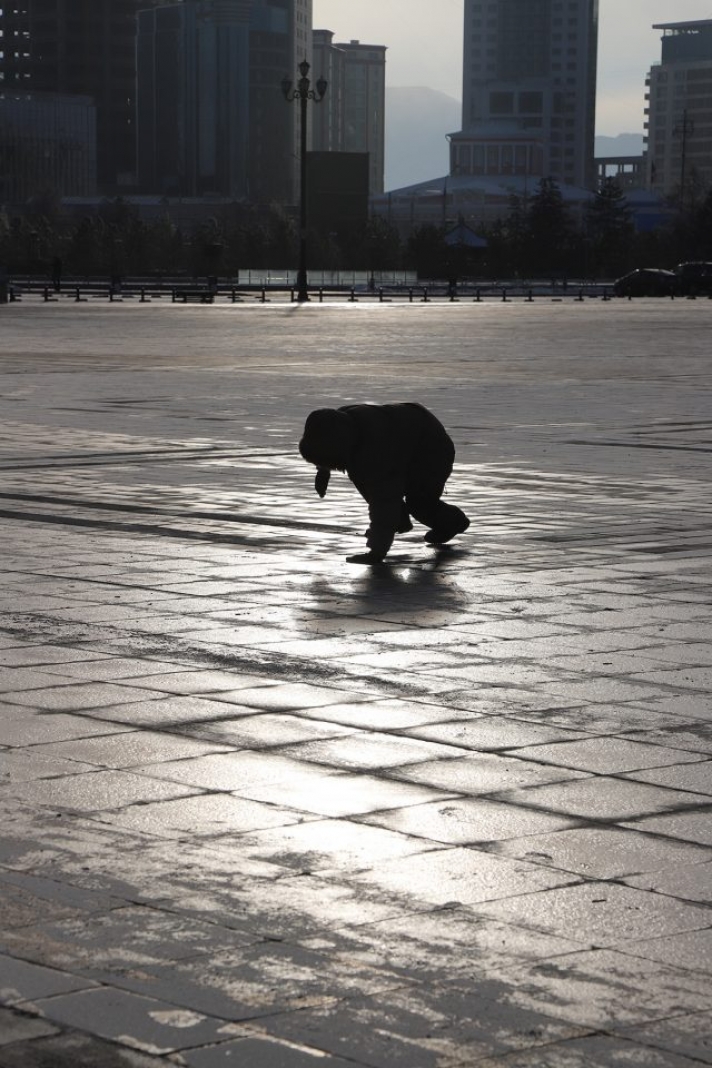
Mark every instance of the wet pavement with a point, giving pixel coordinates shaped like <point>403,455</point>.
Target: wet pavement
<point>261,807</point>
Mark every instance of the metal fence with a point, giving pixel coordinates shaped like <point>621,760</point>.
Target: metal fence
<point>266,287</point>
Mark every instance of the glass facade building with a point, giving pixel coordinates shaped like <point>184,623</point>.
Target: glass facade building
<point>47,145</point>
<point>211,117</point>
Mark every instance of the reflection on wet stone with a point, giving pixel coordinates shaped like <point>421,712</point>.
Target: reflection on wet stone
<point>261,806</point>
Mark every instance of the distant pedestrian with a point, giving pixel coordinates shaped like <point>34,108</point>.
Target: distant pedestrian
<point>399,457</point>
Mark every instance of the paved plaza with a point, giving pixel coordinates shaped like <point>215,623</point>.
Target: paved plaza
<point>264,808</point>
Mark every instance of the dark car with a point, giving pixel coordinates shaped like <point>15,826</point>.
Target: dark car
<point>647,282</point>
<point>695,278</point>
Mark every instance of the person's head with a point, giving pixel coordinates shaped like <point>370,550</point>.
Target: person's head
<point>328,439</point>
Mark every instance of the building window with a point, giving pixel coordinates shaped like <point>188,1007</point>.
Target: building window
<point>531,103</point>
<point>502,103</point>
<point>521,154</point>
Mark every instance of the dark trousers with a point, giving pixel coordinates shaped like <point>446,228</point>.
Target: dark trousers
<point>424,490</point>
<point>434,513</point>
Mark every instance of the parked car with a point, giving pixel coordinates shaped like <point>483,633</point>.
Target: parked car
<point>695,278</point>
<point>647,282</point>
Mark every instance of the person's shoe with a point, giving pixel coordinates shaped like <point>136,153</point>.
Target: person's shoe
<point>443,534</point>
<point>404,527</point>
<point>365,558</point>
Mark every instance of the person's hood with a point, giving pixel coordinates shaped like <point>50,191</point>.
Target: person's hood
<point>329,438</point>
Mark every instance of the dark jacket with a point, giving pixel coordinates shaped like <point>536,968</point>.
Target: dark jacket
<point>389,451</point>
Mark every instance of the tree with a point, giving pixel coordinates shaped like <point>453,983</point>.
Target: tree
<point>549,230</point>
<point>427,252</point>
<point>207,248</point>
<point>379,249</point>
<point>508,242</point>
<point>84,247</point>
<point>282,237</point>
<point>609,231</point>
<point>691,230</point>
<point>704,227</point>
<point>165,251</point>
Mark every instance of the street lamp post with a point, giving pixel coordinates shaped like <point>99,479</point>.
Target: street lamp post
<point>303,93</point>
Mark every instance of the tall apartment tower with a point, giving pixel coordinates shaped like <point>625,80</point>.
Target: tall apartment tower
<point>352,116</point>
<point>679,112</point>
<point>328,118</point>
<point>84,47</point>
<point>211,115</point>
<point>529,90</point>
<point>14,47</point>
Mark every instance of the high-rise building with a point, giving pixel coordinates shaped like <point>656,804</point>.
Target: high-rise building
<point>84,47</point>
<point>351,117</point>
<point>193,97</point>
<point>328,119</point>
<point>47,145</point>
<point>14,47</point>
<point>364,103</point>
<point>529,90</point>
<point>211,115</point>
<point>679,112</point>
<point>281,38</point>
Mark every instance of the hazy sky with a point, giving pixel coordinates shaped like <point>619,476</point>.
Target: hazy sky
<point>424,39</point>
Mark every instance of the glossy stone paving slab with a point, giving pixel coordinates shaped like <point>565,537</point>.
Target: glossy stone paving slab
<point>263,808</point>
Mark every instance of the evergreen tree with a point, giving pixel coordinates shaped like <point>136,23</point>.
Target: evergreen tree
<point>550,231</point>
<point>609,231</point>
<point>509,242</point>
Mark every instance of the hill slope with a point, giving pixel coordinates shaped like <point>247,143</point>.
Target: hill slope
<point>417,121</point>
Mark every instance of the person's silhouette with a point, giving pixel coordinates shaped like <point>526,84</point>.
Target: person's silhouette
<point>399,457</point>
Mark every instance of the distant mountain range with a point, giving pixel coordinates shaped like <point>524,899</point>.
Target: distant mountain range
<point>417,122</point>
<point>625,144</point>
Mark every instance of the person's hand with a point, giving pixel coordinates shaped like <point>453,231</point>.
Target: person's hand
<point>365,558</point>
<point>321,482</point>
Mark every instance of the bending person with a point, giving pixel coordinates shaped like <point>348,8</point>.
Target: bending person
<point>399,457</point>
